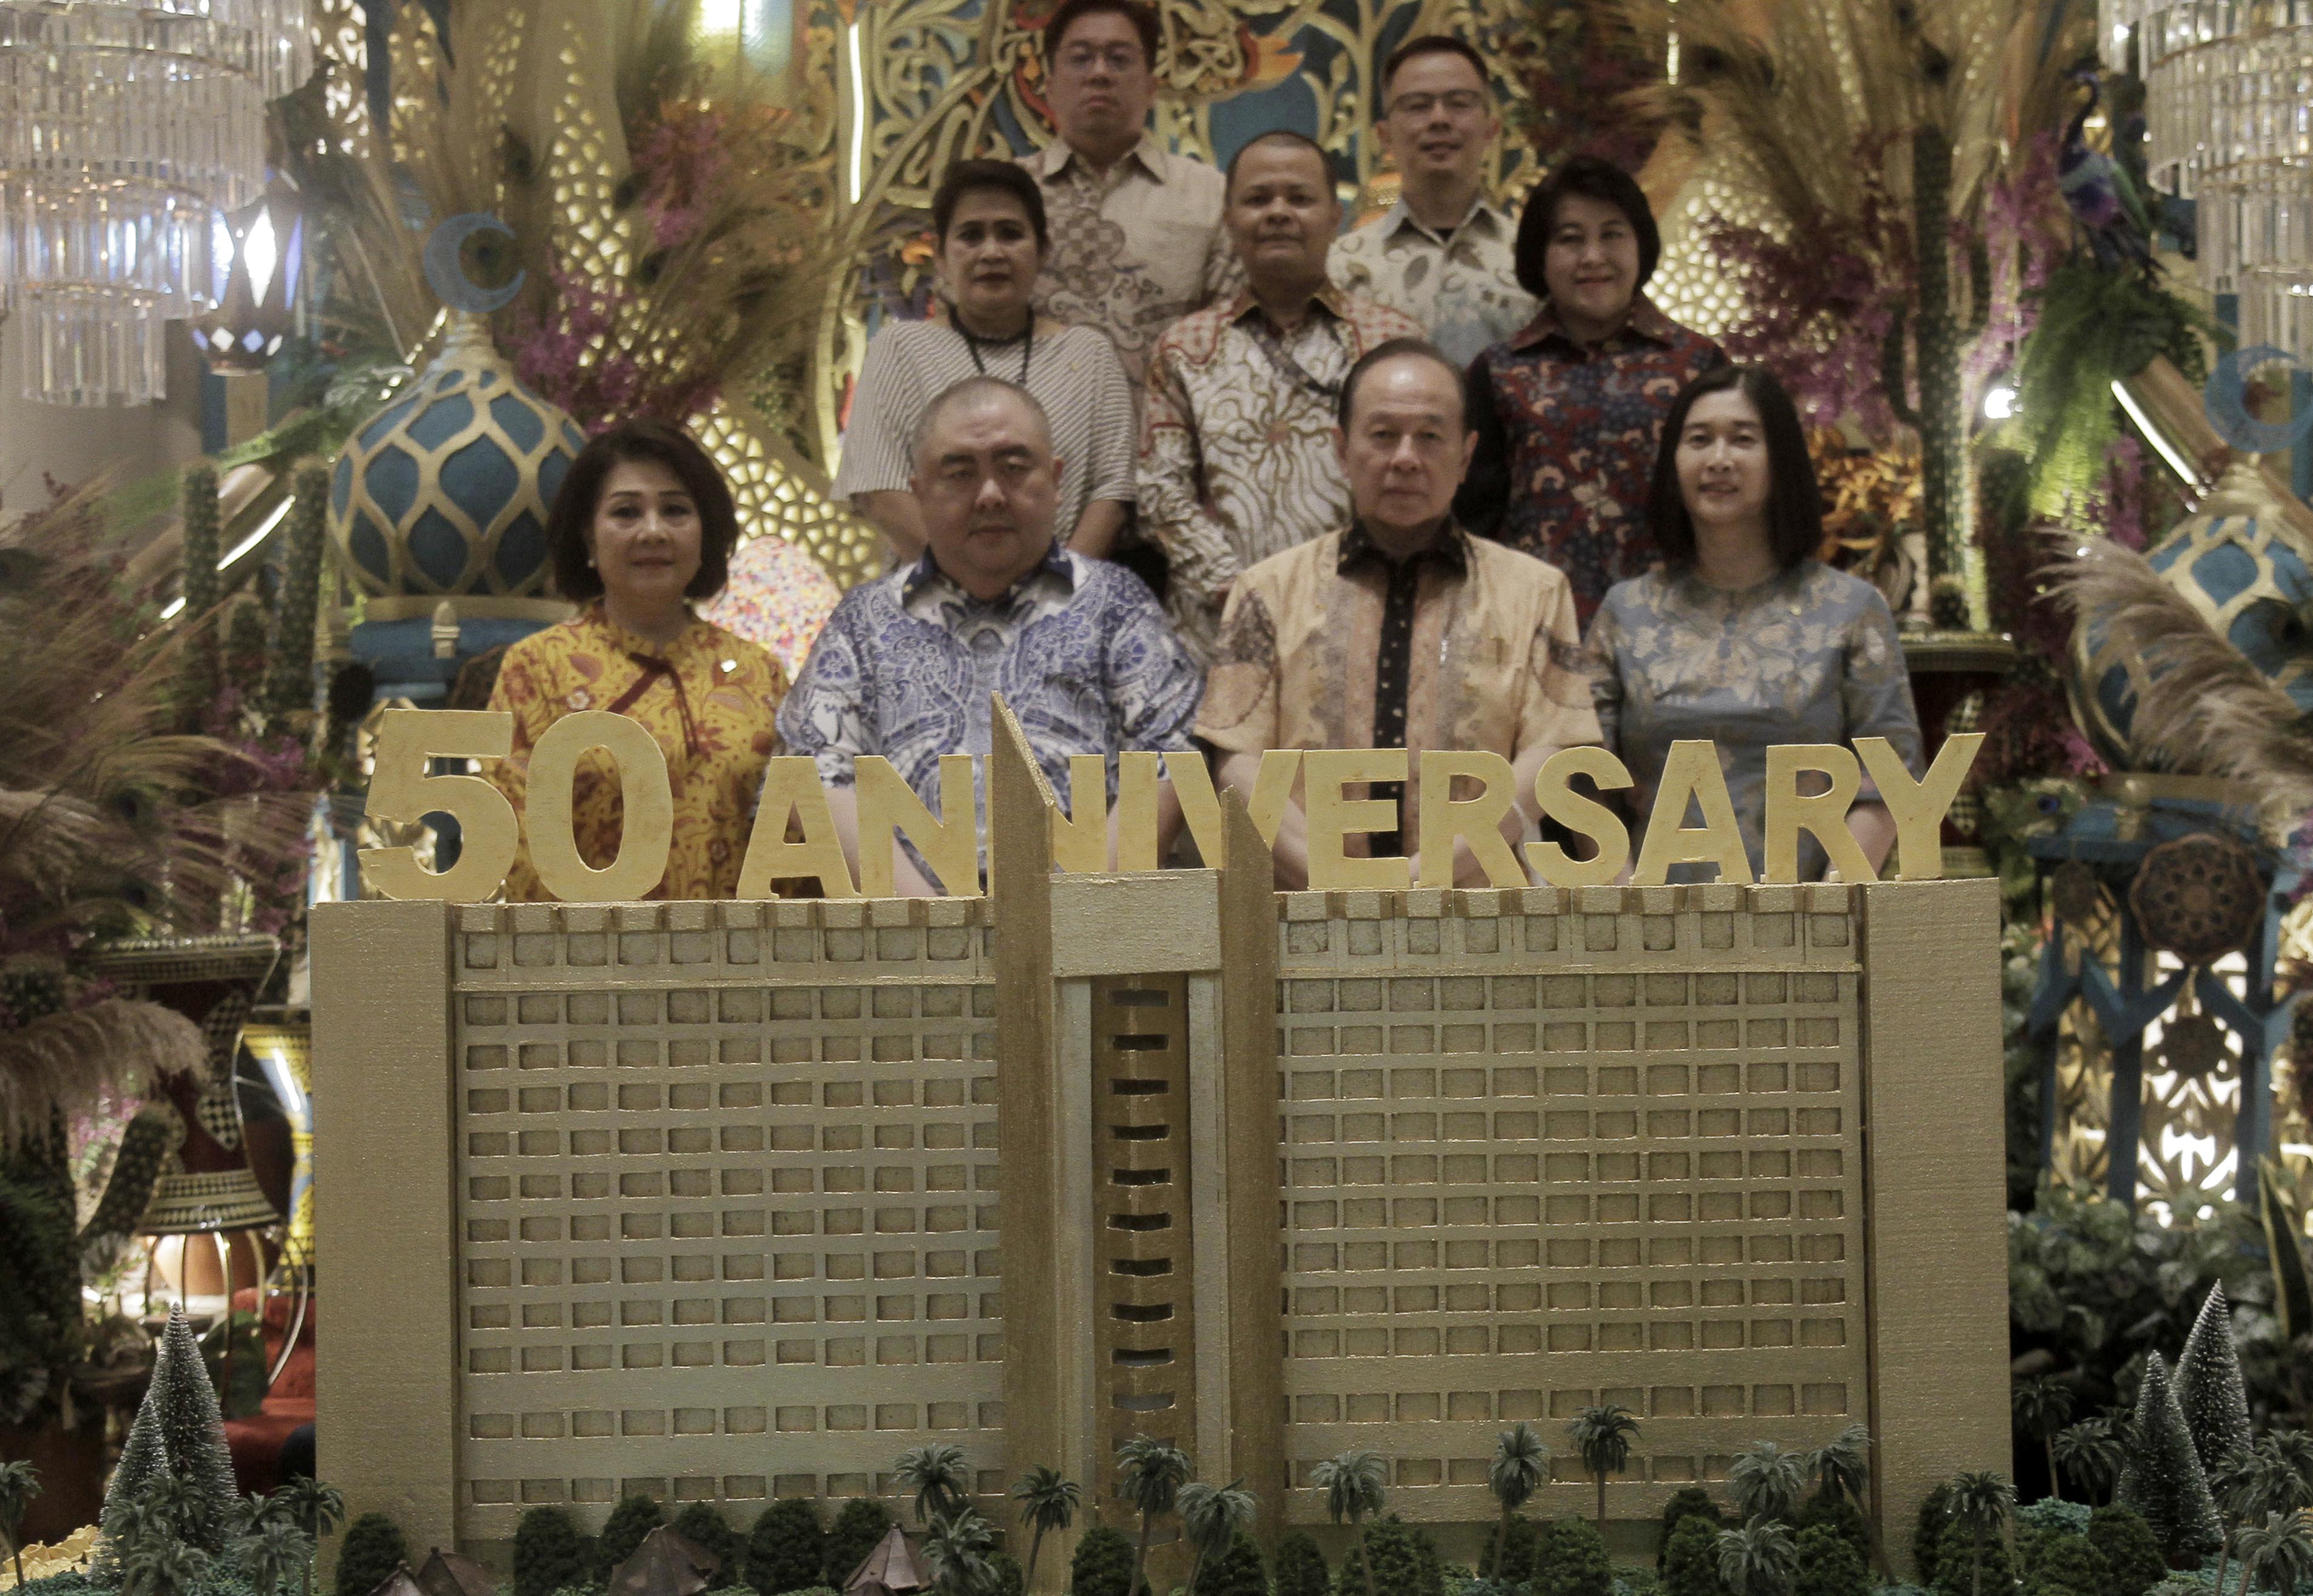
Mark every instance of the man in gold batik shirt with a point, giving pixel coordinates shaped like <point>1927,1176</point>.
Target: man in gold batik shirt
<point>1402,631</point>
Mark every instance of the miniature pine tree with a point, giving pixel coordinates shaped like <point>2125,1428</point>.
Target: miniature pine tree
<point>372,1549</point>
<point>1518,1553</point>
<point>1301,1568</point>
<point>1103,1564</point>
<point>787,1549</point>
<point>1571,1560</point>
<point>1691,1559</point>
<point>2128,1549</point>
<point>2163,1480</point>
<point>289,652</point>
<point>858,1527</point>
<point>1236,1572</point>
<point>703,1525</point>
<point>630,1521</point>
<point>549,1554</point>
<point>2209,1385</point>
<point>1689,1502</point>
<point>1828,1565</point>
<point>178,1434</point>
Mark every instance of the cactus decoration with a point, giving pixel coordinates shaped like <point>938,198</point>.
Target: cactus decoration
<point>202,532</point>
<point>289,652</point>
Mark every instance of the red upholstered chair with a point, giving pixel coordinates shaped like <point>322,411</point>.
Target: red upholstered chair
<point>255,1441</point>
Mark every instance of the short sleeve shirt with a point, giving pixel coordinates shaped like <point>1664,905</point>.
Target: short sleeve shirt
<point>1462,285</point>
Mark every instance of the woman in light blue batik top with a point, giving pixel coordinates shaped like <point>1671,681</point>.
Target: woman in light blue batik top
<point>1741,636</point>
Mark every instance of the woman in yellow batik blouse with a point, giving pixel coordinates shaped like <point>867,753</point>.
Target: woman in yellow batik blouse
<point>642,525</point>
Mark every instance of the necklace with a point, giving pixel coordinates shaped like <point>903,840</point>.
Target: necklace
<point>1025,338</point>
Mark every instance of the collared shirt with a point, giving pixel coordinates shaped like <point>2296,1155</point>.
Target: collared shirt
<point>1079,648</point>
<point>708,699</point>
<point>1492,661</point>
<point>1566,442</point>
<point>1462,285</point>
<point>1809,655</point>
<point>778,595</point>
<point>1071,371</point>
<point>1135,247</point>
<point>1237,460</point>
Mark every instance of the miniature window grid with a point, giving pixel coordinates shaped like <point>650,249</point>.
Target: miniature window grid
<point>1547,1150</point>
<point>726,1189</point>
<point>1144,1334</point>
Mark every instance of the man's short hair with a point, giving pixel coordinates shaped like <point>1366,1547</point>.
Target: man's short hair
<point>1430,44</point>
<point>1142,18</point>
<point>1394,349</point>
<point>977,176</point>
<point>1278,136</point>
<point>960,392</point>
<point>1593,179</point>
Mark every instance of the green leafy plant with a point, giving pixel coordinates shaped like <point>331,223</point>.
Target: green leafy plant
<point>623,1533</point>
<point>1603,1435</point>
<point>177,1435</point>
<point>956,1548</point>
<point>1353,1484</point>
<point>1048,1502</point>
<point>1765,1481</point>
<point>1570,1559</point>
<point>1212,1517</point>
<point>1981,1503</point>
<point>20,1482</point>
<point>858,1529</point>
<point>703,1525</point>
<point>1520,1465</point>
<point>1689,1502</point>
<point>1404,1561</point>
<point>2128,1549</point>
<point>1691,1558</point>
<point>1104,1565</point>
<point>2090,1453</point>
<point>1756,1559</point>
<point>937,1475</point>
<point>1238,1571</point>
<point>1301,1568</point>
<point>1149,1476</point>
<point>2162,1477</point>
<point>549,1554</point>
<point>787,1549</point>
<point>373,1550</point>
<point>1826,1563</point>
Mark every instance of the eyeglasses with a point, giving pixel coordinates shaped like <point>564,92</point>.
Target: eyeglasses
<point>1461,102</point>
<point>1083,58</point>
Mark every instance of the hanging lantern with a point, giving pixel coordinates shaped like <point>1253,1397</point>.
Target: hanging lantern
<point>257,267</point>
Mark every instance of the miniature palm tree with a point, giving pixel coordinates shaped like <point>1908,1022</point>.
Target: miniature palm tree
<point>1982,1501</point>
<point>2090,1453</point>
<point>1211,1517</point>
<point>1603,1435</point>
<point>2278,1552</point>
<point>274,1547</point>
<point>1757,1560</point>
<point>1149,1476</point>
<point>1766,1481</point>
<point>955,1550</point>
<point>1521,1463</point>
<point>317,1508</point>
<point>20,1482</point>
<point>2042,1405</point>
<point>1841,1466</point>
<point>938,1476</point>
<point>159,1563</point>
<point>1047,1501</point>
<point>1353,1484</point>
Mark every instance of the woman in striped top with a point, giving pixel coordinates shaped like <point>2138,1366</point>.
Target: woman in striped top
<point>989,219</point>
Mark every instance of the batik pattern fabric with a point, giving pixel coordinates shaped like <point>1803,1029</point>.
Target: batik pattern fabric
<point>1072,372</point>
<point>1809,656</point>
<point>1567,433</point>
<point>1079,648</point>
<point>1494,661</point>
<point>1134,248</point>
<point>778,596</point>
<point>1238,458</point>
<point>1461,285</point>
<point>710,700</point>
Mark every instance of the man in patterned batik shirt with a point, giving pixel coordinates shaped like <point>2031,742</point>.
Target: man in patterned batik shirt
<point>1078,647</point>
<point>1236,448</point>
<point>1402,631</point>
<point>1442,253</point>
<point>1137,237</point>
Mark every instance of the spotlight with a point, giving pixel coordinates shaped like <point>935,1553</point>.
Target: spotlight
<point>1999,402</point>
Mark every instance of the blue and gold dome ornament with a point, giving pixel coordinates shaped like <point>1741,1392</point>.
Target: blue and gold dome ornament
<point>444,492</point>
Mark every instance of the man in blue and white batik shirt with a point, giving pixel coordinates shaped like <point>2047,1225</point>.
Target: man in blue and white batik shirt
<point>1082,652</point>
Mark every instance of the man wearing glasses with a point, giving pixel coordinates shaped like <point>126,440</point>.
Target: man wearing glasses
<point>1136,236</point>
<point>1442,254</point>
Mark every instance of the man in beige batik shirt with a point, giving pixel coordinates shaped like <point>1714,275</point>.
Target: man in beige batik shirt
<point>1442,254</point>
<point>1236,441</point>
<point>1136,235</point>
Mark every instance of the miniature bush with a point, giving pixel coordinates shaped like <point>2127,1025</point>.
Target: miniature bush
<point>1103,1564</point>
<point>1829,1565</point>
<point>702,1524</point>
<point>548,1554</point>
<point>1927,1533</point>
<point>372,1549</point>
<point>1833,1510</point>
<point>1236,1572</point>
<point>1301,1568</point>
<point>1571,1560</point>
<point>787,1549</point>
<point>1405,1563</point>
<point>2053,1512</point>
<point>2062,1564</point>
<point>1956,1563</point>
<point>630,1521</point>
<point>863,1523</point>
<point>1518,1553</point>
<point>1691,1502</point>
<point>1009,1578</point>
<point>1691,1559</point>
<point>2131,1553</point>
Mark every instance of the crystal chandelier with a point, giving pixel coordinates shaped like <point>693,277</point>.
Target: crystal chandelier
<point>124,127</point>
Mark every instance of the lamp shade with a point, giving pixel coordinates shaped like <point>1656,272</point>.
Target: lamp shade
<point>256,265</point>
